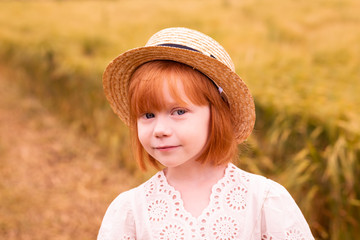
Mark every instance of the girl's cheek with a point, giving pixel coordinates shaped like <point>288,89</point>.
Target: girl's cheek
<point>143,132</point>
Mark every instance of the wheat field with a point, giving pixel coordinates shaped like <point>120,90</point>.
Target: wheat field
<point>300,59</point>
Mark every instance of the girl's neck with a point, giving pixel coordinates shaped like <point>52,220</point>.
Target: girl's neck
<point>194,182</point>
<point>194,173</point>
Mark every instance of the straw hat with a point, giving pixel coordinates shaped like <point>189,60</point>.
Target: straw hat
<point>191,48</point>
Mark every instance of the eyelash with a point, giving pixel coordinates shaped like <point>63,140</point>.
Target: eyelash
<point>149,115</point>
<point>176,112</point>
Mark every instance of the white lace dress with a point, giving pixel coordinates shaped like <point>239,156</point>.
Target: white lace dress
<point>242,206</point>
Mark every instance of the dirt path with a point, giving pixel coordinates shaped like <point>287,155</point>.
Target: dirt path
<point>53,183</point>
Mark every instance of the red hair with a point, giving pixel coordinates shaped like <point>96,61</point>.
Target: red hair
<point>146,93</point>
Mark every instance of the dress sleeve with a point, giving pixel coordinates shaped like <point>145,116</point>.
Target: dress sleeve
<point>118,222</point>
<point>281,217</point>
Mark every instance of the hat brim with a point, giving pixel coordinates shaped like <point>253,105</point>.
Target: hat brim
<point>118,73</point>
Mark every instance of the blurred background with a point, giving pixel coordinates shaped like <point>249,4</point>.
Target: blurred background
<point>64,155</point>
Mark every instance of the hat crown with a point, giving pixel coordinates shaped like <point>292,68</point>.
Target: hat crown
<point>192,39</point>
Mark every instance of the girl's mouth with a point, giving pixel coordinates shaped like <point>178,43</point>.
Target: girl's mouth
<point>166,148</point>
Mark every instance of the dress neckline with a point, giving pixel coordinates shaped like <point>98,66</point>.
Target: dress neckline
<point>215,189</point>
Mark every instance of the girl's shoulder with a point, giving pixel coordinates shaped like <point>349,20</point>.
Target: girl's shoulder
<point>122,203</point>
<point>236,175</point>
<point>279,214</point>
<point>256,185</point>
<point>128,196</point>
<point>119,217</point>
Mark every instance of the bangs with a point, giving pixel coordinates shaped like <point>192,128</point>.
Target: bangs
<point>147,85</point>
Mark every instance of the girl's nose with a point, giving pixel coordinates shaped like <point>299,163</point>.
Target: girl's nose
<point>162,127</point>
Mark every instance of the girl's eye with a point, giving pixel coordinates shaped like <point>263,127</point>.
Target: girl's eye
<point>149,115</point>
<point>179,112</point>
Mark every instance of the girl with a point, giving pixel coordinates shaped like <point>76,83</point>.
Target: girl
<point>187,110</point>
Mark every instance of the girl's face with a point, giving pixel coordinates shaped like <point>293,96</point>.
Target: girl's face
<point>177,133</point>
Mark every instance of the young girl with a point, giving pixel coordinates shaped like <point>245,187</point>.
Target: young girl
<point>188,110</point>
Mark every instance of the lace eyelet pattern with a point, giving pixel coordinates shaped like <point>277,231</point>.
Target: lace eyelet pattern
<point>294,234</point>
<point>166,206</point>
<point>241,206</point>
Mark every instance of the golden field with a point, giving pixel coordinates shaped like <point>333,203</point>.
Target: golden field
<point>301,60</point>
